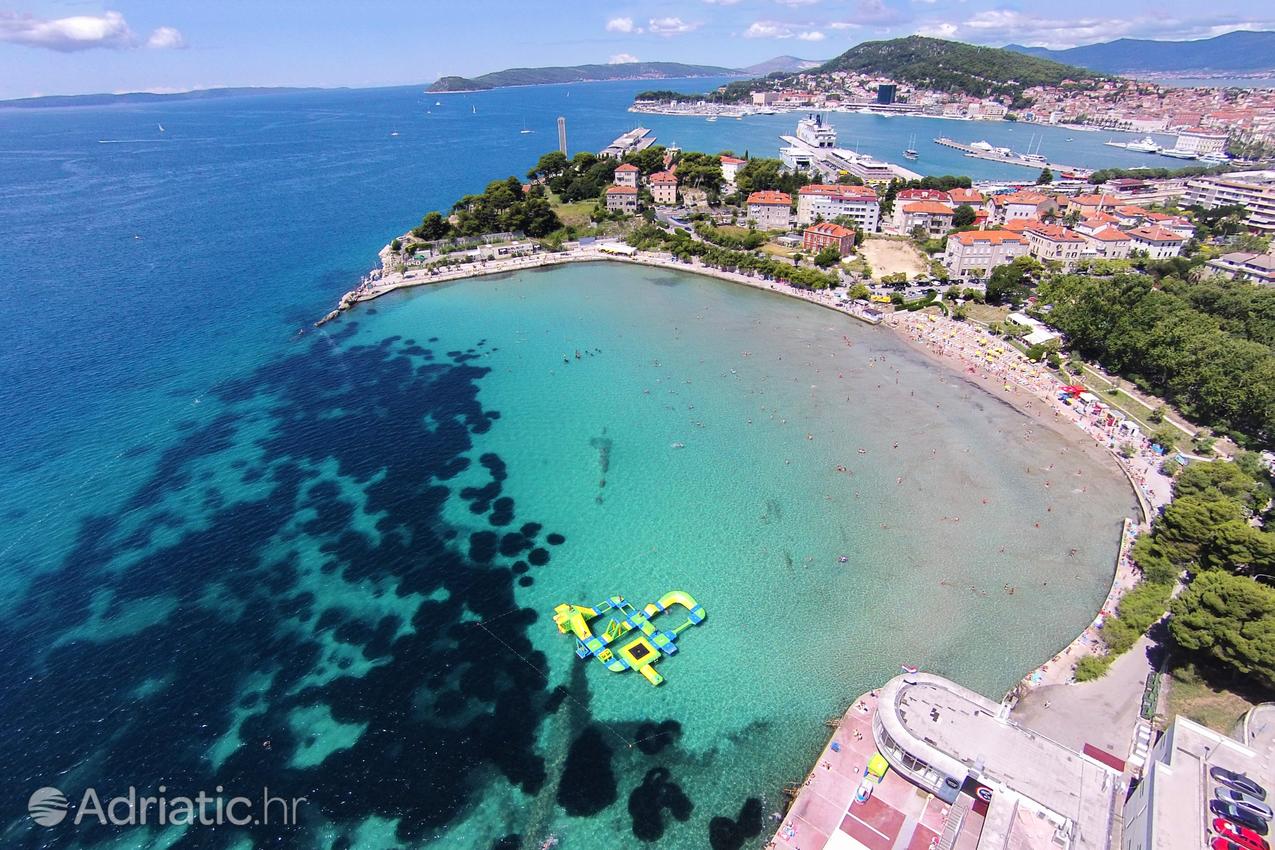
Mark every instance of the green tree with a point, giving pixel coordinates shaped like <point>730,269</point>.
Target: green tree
<point>1166,437</point>
<point>433,226</point>
<point>827,257</point>
<point>963,216</point>
<point>1046,177</point>
<point>549,165</point>
<point>1231,620</point>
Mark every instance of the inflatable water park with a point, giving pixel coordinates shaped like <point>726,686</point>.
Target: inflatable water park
<point>648,646</point>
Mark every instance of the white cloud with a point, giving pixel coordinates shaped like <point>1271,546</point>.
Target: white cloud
<point>166,38</point>
<point>622,59</point>
<point>842,25</point>
<point>82,32</point>
<point>67,34</point>
<point>779,29</point>
<point>620,25</point>
<point>877,12</point>
<point>670,26</point>
<point>767,29</point>
<point>721,2</point>
<point>795,3</point>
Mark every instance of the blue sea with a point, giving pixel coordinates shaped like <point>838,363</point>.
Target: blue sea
<point>240,553</point>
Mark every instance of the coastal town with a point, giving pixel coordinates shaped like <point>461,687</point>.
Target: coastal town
<point>1221,121</point>
<point>856,432</point>
<point>970,273</point>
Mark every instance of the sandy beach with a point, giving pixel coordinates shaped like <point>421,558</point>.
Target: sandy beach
<point>967,351</point>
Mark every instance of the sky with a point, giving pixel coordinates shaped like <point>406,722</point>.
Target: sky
<point>82,46</point>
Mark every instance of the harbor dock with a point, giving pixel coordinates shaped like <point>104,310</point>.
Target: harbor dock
<point>1011,158</point>
<point>637,139</point>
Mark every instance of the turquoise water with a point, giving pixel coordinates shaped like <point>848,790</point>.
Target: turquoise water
<point>239,552</point>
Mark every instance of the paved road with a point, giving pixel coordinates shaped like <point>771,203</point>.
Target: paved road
<point>1103,712</point>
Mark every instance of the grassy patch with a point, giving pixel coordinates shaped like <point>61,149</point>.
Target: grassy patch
<point>1198,695</point>
<point>574,215</point>
<point>777,250</point>
<point>986,314</point>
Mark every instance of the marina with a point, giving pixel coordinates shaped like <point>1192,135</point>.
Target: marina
<point>814,148</point>
<point>983,150</point>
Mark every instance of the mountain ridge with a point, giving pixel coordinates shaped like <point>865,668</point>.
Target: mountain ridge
<point>1240,51</point>
<point>578,74</point>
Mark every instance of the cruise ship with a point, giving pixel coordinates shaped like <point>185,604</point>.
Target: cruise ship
<point>815,133</point>
<point>1147,145</point>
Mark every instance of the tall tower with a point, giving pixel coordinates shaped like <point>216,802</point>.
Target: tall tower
<point>562,135</point>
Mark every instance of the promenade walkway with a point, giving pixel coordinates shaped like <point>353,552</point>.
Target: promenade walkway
<point>898,815</point>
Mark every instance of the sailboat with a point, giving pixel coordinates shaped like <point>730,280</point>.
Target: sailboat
<point>161,127</point>
<point>475,110</point>
<point>524,129</point>
<point>911,153</point>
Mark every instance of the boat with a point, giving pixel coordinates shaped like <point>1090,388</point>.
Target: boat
<point>524,131</point>
<point>711,118</point>
<point>910,151</point>
<point>438,103</point>
<point>394,132</point>
<point>908,668</point>
<point>475,110</point>
<point>1177,154</point>
<point>1147,145</point>
<point>982,146</point>
<point>1214,158</point>
<point>161,128</point>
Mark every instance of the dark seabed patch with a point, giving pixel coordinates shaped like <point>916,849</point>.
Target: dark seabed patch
<point>287,589</point>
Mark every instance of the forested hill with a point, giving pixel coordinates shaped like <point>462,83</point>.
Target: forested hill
<point>579,74</point>
<point>950,66</point>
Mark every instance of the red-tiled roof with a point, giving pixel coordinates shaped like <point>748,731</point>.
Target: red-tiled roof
<point>1094,200</point>
<point>1034,198</point>
<point>923,195</point>
<point>928,208</point>
<point>966,196</point>
<point>664,177</point>
<point>732,160</point>
<point>1056,233</point>
<point>770,197</point>
<point>621,190</point>
<point>828,228</point>
<point>1110,234</point>
<point>836,190</point>
<point>628,166</point>
<point>994,237</point>
<point>1155,234</point>
<point>1021,224</point>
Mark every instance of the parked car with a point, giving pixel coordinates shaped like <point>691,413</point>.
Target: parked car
<point>1221,843</point>
<point>1241,835</point>
<point>1236,815</point>
<point>1244,801</point>
<point>1239,782</point>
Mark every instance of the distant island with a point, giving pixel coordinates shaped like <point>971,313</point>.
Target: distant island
<point>47,101</point>
<point>580,74</point>
<point>1235,52</point>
